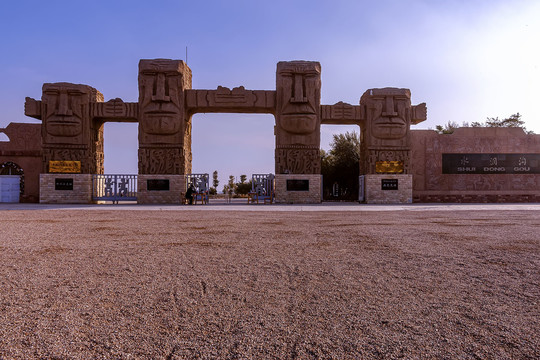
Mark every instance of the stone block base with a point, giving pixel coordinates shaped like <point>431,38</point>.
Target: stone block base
<point>65,188</point>
<point>148,194</point>
<point>293,188</point>
<point>381,189</point>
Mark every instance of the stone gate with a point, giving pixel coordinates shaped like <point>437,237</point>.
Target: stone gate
<point>73,116</point>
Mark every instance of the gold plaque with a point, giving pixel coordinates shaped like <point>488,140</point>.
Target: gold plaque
<point>392,167</point>
<point>71,167</point>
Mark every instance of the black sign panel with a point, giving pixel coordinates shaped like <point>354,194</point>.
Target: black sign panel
<point>389,184</point>
<point>63,184</point>
<point>157,185</point>
<point>297,185</point>
<point>491,163</point>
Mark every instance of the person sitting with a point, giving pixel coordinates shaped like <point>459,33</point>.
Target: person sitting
<point>189,194</point>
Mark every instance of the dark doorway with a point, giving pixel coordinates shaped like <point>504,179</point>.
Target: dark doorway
<point>340,167</point>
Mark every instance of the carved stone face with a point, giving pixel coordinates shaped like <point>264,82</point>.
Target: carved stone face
<point>65,107</point>
<point>160,94</point>
<point>389,109</point>
<point>298,88</point>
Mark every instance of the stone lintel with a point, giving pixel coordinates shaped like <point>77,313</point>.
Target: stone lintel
<point>342,114</point>
<point>225,100</point>
<point>115,110</point>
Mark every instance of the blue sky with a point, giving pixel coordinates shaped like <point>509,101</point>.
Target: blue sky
<point>467,60</point>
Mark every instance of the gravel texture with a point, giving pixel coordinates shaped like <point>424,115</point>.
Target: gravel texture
<point>269,285</point>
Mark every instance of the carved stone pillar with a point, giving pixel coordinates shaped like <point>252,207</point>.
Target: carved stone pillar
<point>68,131</point>
<point>385,146</point>
<point>164,125</point>
<point>298,123</point>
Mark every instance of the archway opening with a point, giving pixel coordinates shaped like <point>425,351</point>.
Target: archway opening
<point>340,162</point>
<point>233,145</point>
<point>121,146</point>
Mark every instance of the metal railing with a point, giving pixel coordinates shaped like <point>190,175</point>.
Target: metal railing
<point>114,188</point>
<point>262,188</point>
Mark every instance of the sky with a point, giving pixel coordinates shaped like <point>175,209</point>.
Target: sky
<point>467,59</point>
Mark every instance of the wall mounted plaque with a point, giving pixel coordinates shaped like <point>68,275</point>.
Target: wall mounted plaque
<point>389,167</point>
<point>491,163</point>
<point>63,184</point>
<point>68,167</point>
<point>389,184</point>
<point>157,185</point>
<point>297,185</point>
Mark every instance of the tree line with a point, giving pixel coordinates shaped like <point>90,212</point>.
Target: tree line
<point>231,187</point>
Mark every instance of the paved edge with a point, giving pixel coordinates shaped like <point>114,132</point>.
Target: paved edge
<point>326,207</point>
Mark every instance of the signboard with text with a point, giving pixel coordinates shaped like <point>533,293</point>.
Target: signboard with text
<point>67,167</point>
<point>389,184</point>
<point>297,185</point>
<point>491,163</point>
<point>157,185</point>
<point>390,167</point>
<point>63,184</point>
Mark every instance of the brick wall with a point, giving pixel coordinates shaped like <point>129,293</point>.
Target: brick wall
<point>374,194</point>
<point>431,185</point>
<point>177,189</point>
<point>312,196</point>
<point>81,193</point>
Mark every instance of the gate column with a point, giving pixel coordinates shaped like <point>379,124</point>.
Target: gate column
<point>298,132</point>
<point>385,160</point>
<point>164,131</point>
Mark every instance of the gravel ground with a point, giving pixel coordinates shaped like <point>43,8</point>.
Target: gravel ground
<point>269,285</point>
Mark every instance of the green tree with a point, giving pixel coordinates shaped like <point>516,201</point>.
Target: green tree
<point>449,128</point>
<point>243,187</point>
<point>340,165</point>
<point>215,181</point>
<point>231,187</point>
<point>513,120</point>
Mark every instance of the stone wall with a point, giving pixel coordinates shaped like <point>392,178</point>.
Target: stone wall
<point>81,192</point>
<point>311,196</point>
<point>430,184</point>
<point>24,150</point>
<point>379,189</point>
<point>175,194</point>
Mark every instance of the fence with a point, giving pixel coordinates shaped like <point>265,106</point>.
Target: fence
<point>114,188</point>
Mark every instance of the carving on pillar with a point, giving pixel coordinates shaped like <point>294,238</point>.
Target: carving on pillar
<point>161,160</point>
<point>389,155</point>
<point>298,160</point>
<point>68,131</point>
<point>386,135</point>
<point>226,96</point>
<point>70,153</point>
<point>298,96</point>
<point>163,120</point>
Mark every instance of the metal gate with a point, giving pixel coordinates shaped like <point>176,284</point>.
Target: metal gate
<point>10,188</point>
<point>114,188</point>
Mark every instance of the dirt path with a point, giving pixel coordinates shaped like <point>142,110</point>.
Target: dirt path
<point>181,285</point>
